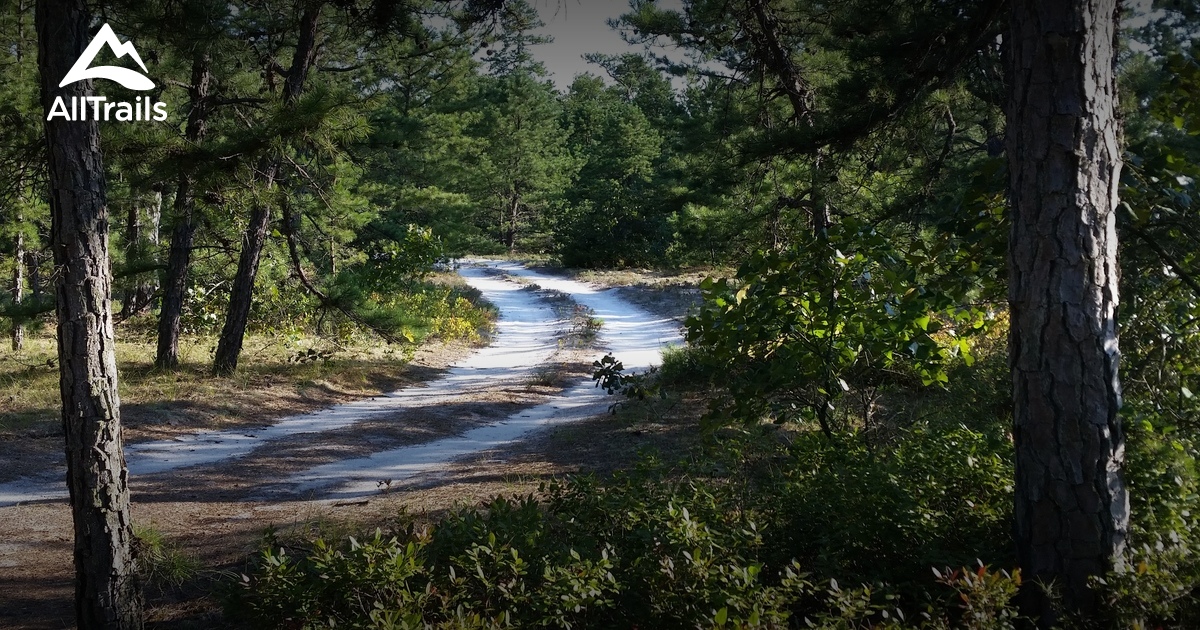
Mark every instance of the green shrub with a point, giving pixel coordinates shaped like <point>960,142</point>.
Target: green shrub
<point>521,563</point>
<point>688,367</point>
<point>663,548</point>
<point>936,498</point>
<point>1156,586</point>
<point>799,329</point>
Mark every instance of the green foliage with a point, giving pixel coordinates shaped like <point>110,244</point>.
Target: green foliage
<point>987,597</point>
<point>609,374</point>
<point>612,217</point>
<point>1155,584</point>
<point>688,367</point>
<point>936,497</point>
<point>1160,338</point>
<point>525,165</point>
<point>798,329</point>
<point>853,167</point>
<point>584,324</point>
<point>679,551</point>
<point>1161,319</point>
<point>160,562</point>
<point>514,563</point>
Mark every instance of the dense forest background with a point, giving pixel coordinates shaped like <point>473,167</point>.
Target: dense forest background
<point>404,133</point>
<point>322,159</point>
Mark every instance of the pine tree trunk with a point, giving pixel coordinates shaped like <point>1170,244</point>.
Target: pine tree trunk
<point>170,315</point>
<point>1063,141</point>
<point>510,236</point>
<point>229,346</point>
<point>33,269</point>
<point>19,253</point>
<point>106,590</point>
<point>133,251</point>
<point>18,289</point>
<point>141,239</point>
<point>183,235</point>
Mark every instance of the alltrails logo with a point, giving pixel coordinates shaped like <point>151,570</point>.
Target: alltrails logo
<point>100,108</point>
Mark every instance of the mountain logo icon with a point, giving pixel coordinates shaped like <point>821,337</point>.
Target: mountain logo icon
<point>126,77</point>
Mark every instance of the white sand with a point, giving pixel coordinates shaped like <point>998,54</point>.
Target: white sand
<point>633,336</point>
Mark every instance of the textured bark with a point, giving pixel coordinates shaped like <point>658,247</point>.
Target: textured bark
<point>19,253</point>
<point>305,55</point>
<point>106,591</point>
<point>179,257</point>
<point>18,288</point>
<point>1063,140</point>
<point>241,295</point>
<point>183,235</point>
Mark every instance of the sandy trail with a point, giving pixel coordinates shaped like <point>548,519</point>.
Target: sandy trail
<point>525,339</point>
<point>629,333</point>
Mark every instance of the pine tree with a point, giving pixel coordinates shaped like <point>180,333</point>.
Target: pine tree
<point>107,594</point>
<point>1064,151</point>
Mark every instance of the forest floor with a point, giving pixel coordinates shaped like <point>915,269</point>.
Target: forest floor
<point>212,514</point>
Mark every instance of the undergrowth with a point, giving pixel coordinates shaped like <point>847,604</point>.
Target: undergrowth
<point>662,546</point>
<point>769,526</point>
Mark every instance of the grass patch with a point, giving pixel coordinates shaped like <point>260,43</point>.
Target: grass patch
<point>280,372</point>
<point>671,294</point>
<point>161,563</point>
<point>582,324</point>
<point>653,278</point>
<point>29,387</point>
<point>275,375</point>
<point>555,375</point>
<point>688,368</point>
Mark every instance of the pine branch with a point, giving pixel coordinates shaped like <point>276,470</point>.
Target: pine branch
<point>294,253</point>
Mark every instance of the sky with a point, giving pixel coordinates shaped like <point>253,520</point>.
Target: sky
<point>579,27</point>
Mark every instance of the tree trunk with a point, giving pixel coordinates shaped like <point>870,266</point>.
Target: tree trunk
<point>141,239</point>
<point>19,253</point>
<point>229,346</point>
<point>18,288</point>
<point>170,314</point>
<point>510,237</point>
<point>33,267</point>
<point>133,251</point>
<point>106,590</point>
<point>183,235</point>
<point>1072,510</point>
<point>778,59</point>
